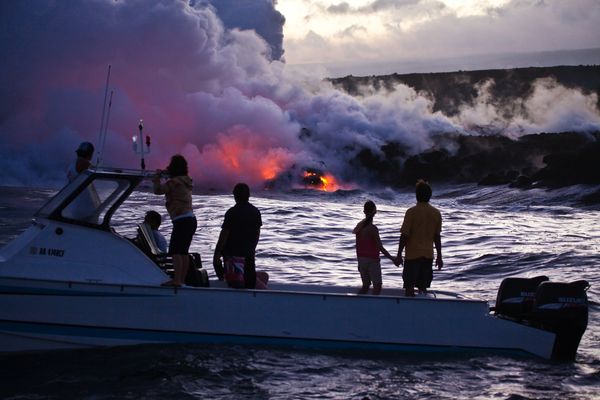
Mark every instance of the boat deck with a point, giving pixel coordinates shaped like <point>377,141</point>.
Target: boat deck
<point>344,290</point>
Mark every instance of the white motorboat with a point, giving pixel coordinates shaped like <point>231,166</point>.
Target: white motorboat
<point>70,281</point>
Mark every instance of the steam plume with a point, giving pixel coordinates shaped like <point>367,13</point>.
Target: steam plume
<point>214,92</point>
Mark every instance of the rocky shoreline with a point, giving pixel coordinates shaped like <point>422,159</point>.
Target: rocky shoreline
<point>451,90</point>
<point>546,159</point>
<point>543,159</point>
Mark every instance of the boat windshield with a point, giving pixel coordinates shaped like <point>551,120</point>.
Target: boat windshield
<point>88,201</point>
<point>94,201</point>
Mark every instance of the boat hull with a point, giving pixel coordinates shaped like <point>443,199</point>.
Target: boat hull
<point>41,315</point>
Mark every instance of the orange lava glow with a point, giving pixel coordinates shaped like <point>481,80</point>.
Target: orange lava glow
<point>325,182</point>
<point>245,156</point>
<point>270,168</point>
<point>329,183</point>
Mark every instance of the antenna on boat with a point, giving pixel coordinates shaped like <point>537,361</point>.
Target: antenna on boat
<point>103,122</point>
<point>104,134</point>
<point>140,146</point>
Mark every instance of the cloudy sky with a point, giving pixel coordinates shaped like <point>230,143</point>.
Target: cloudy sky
<point>357,32</point>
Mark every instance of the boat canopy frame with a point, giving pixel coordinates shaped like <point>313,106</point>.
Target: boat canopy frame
<point>84,187</point>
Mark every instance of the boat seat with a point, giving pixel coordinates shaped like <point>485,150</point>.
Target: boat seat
<point>516,296</point>
<point>196,276</point>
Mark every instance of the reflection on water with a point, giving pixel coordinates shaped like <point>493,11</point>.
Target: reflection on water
<point>488,234</point>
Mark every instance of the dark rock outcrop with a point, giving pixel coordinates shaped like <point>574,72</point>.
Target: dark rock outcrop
<point>451,90</point>
<point>547,159</point>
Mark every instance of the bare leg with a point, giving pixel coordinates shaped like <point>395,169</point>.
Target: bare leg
<point>180,265</point>
<point>364,289</point>
<point>262,278</point>
<point>184,262</point>
<point>376,289</point>
<point>177,266</point>
<point>366,280</point>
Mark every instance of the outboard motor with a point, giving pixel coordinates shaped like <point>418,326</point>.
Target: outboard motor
<point>516,296</point>
<point>562,308</point>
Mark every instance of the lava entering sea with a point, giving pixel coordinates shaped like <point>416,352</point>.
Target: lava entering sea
<point>316,179</point>
<point>305,178</point>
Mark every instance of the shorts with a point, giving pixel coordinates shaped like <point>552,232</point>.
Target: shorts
<point>418,273</point>
<point>181,237</point>
<point>249,271</point>
<point>370,271</point>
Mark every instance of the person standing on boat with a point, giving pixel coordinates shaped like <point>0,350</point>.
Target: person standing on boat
<point>420,232</point>
<point>84,152</point>
<point>238,240</point>
<point>178,194</point>
<point>368,247</point>
<point>84,207</point>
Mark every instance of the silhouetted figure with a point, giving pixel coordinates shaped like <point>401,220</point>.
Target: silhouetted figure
<point>153,219</point>
<point>368,247</point>
<point>237,243</point>
<point>178,194</point>
<point>85,152</point>
<point>84,206</point>
<point>420,232</point>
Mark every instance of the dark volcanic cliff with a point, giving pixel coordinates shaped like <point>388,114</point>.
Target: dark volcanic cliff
<point>543,159</point>
<point>452,89</point>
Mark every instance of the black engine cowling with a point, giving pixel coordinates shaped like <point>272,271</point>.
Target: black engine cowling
<point>516,296</point>
<point>562,308</point>
<point>558,307</point>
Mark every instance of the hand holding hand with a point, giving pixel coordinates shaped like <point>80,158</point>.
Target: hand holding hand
<point>398,261</point>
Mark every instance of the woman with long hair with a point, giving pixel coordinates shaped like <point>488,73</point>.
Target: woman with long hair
<point>368,247</point>
<point>178,195</point>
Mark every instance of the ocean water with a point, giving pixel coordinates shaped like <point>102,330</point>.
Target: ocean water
<point>488,234</point>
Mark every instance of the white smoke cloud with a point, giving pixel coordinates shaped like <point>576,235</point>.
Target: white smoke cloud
<point>551,107</point>
<point>174,65</point>
<point>555,108</point>
<point>209,92</point>
<point>258,15</point>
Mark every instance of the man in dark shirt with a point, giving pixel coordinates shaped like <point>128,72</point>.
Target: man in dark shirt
<point>239,235</point>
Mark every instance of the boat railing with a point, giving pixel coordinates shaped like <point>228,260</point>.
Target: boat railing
<point>146,174</point>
